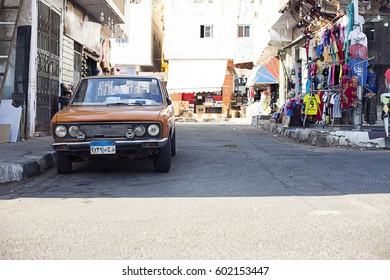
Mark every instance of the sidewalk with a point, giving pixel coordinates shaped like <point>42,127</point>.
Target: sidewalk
<point>24,159</point>
<point>29,158</point>
<point>369,137</point>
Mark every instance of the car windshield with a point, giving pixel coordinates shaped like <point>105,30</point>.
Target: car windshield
<point>118,91</point>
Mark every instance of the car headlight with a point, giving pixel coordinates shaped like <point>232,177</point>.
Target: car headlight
<point>139,130</point>
<point>129,133</point>
<point>153,130</point>
<point>73,130</point>
<point>60,131</point>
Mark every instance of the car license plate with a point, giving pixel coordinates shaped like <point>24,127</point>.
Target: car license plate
<point>102,147</point>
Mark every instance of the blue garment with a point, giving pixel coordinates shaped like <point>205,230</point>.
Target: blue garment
<point>320,49</point>
<point>308,83</point>
<point>358,68</point>
<point>371,81</point>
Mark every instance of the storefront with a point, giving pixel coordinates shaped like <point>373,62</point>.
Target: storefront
<point>200,88</point>
<point>263,85</point>
<point>329,72</point>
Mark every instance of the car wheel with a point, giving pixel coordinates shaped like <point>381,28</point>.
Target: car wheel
<point>64,163</point>
<point>173,143</point>
<point>162,163</point>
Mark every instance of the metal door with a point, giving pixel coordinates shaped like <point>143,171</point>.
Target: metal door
<point>47,67</point>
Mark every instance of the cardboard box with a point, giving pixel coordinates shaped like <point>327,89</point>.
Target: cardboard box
<point>176,107</point>
<point>200,109</point>
<point>184,105</point>
<point>5,133</point>
<point>175,96</point>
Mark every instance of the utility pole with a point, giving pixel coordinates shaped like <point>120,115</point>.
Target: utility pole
<point>359,110</point>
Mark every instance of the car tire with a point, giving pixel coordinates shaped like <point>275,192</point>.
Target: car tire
<point>173,143</point>
<point>64,163</point>
<point>162,163</point>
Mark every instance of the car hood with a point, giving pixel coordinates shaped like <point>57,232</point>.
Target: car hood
<point>109,113</point>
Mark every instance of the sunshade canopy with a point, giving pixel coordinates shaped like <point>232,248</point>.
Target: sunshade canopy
<point>266,73</point>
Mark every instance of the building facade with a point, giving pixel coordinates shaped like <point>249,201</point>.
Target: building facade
<point>141,50</point>
<point>56,42</point>
<point>204,42</point>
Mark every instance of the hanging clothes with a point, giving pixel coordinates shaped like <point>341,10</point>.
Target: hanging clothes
<point>358,68</point>
<point>336,106</point>
<point>311,102</point>
<point>371,81</point>
<point>349,86</point>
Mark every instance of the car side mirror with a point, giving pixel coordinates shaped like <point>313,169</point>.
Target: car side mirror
<point>169,101</point>
<point>63,100</point>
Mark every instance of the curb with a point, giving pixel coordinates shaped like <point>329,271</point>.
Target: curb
<point>26,166</point>
<point>324,138</point>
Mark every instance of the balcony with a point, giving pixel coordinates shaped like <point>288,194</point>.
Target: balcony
<point>113,8</point>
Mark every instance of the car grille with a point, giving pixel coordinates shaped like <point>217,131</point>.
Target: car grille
<point>110,130</point>
<point>105,130</point>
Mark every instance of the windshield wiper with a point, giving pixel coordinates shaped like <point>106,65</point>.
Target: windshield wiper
<point>125,103</point>
<point>136,104</point>
<point>121,103</point>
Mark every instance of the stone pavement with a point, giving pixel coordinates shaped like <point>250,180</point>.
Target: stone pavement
<point>24,159</point>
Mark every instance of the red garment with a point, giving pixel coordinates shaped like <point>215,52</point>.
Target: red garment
<point>340,47</point>
<point>387,75</point>
<point>319,112</point>
<point>349,92</point>
<point>358,51</point>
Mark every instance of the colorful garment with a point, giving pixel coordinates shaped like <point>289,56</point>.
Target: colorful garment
<point>371,81</point>
<point>349,97</point>
<point>336,110</point>
<point>327,55</point>
<point>357,37</point>
<point>359,68</point>
<point>387,76</point>
<point>311,102</point>
<point>358,51</point>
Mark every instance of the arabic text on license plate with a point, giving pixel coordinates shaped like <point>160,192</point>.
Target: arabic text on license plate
<point>102,147</point>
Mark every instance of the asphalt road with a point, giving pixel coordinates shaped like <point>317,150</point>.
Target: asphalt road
<point>233,192</point>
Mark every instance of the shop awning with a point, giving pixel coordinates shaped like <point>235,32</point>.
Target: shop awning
<point>196,75</point>
<point>266,73</point>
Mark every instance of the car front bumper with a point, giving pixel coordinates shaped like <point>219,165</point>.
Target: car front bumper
<point>121,146</point>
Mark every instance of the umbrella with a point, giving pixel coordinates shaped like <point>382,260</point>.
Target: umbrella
<point>266,73</point>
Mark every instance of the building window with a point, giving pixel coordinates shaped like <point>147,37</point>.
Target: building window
<point>77,48</point>
<point>243,31</point>
<point>206,31</point>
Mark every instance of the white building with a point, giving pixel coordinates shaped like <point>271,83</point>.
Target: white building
<point>204,41</point>
<point>141,50</point>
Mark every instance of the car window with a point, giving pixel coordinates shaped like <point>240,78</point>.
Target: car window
<point>98,91</point>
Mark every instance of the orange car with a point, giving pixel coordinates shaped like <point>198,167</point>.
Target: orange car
<point>116,116</point>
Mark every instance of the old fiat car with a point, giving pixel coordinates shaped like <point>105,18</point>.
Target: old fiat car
<point>116,117</point>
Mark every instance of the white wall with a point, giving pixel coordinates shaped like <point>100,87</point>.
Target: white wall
<point>182,29</point>
<point>138,50</point>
